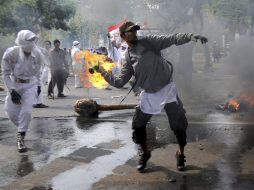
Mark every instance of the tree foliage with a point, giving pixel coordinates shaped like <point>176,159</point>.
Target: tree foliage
<point>235,13</point>
<point>34,15</point>
<point>93,17</point>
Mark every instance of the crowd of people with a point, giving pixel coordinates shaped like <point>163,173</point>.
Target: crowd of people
<point>59,64</point>
<point>26,67</point>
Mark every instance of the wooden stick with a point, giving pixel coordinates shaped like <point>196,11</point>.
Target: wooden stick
<point>87,107</point>
<point>116,107</point>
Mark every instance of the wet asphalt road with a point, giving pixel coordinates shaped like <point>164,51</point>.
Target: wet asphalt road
<point>94,148</point>
<point>67,152</point>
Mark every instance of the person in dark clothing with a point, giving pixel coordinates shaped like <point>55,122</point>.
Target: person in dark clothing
<point>59,70</point>
<point>153,75</point>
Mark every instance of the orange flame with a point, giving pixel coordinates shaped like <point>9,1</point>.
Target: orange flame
<point>233,104</point>
<point>89,60</point>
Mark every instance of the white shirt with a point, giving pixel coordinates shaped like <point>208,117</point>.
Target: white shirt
<point>45,52</point>
<point>16,64</point>
<point>153,103</point>
<point>115,54</point>
<point>73,51</point>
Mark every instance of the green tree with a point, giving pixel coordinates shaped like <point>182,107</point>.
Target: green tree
<point>235,14</point>
<point>34,15</point>
<point>92,19</point>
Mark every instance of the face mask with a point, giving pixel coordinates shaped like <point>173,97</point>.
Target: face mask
<point>28,47</point>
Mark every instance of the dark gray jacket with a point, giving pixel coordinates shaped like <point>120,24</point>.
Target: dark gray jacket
<point>151,71</point>
<point>58,60</point>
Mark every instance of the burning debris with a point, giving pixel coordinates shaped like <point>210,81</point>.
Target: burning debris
<point>231,106</point>
<point>244,102</point>
<point>89,108</point>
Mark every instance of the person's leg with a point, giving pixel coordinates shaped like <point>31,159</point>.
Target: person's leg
<point>20,115</point>
<point>49,75</point>
<point>26,108</point>
<point>50,89</point>
<point>44,75</point>
<point>60,83</point>
<point>51,85</point>
<point>178,124</point>
<point>38,100</point>
<point>12,110</point>
<point>77,81</point>
<point>139,136</point>
<point>77,67</point>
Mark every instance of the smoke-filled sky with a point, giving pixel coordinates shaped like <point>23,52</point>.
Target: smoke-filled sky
<point>241,59</point>
<point>174,16</point>
<point>171,16</point>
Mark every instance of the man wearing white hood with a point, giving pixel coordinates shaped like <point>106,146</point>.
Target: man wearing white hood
<point>21,74</point>
<point>77,67</point>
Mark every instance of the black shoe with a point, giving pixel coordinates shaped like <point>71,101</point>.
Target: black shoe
<point>40,106</point>
<point>21,143</point>
<point>142,161</point>
<point>61,96</point>
<point>180,159</point>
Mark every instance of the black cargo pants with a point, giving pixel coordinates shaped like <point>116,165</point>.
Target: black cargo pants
<point>176,117</point>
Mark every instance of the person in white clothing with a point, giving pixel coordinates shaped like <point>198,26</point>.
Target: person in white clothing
<point>45,74</point>
<point>77,67</point>
<point>115,53</point>
<point>21,67</point>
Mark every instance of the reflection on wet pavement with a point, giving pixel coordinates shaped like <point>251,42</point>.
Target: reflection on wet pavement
<point>25,166</point>
<point>102,144</point>
<point>102,161</point>
<point>49,139</point>
<point>84,176</point>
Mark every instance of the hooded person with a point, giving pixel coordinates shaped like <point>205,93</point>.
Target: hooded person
<point>77,67</point>
<point>21,67</point>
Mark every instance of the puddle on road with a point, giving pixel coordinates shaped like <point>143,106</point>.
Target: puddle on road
<point>226,172</point>
<point>49,139</point>
<point>230,138</point>
<point>83,177</point>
